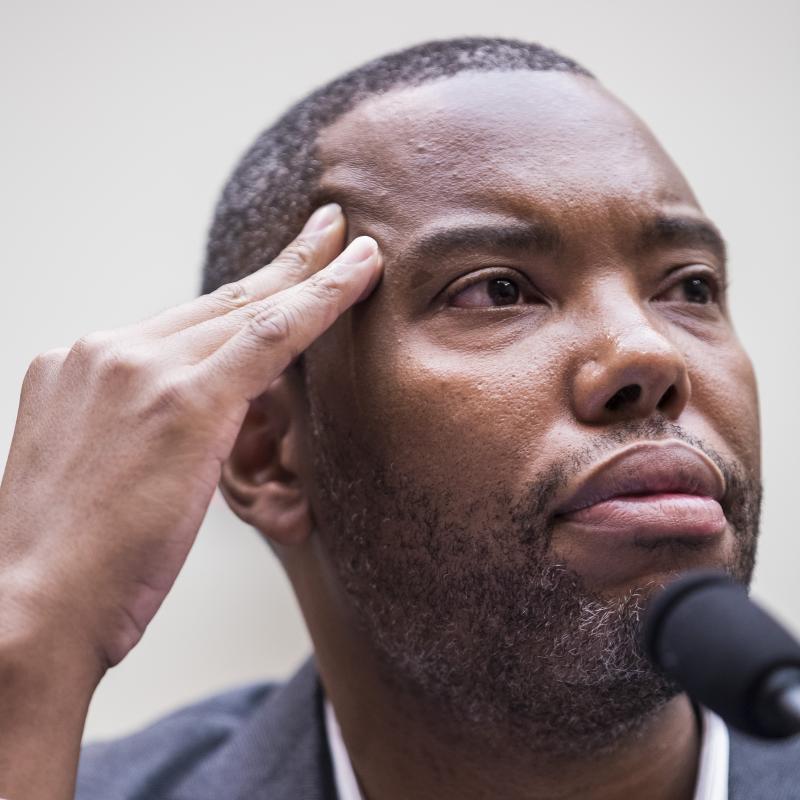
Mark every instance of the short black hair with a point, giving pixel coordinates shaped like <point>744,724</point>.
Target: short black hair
<point>274,187</point>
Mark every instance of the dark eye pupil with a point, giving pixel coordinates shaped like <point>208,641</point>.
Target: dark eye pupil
<point>503,292</point>
<point>697,290</point>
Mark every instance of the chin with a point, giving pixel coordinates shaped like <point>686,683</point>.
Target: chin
<point>643,564</point>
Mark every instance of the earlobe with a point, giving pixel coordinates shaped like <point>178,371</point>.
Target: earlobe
<point>261,479</point>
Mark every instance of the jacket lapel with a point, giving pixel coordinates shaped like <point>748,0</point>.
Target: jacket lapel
<point>768,770</point>
<point>280,754</point>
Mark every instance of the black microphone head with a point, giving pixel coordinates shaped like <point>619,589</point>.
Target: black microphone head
<point>705,633</point>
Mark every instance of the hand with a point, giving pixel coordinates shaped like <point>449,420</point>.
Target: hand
<point>120,440</point>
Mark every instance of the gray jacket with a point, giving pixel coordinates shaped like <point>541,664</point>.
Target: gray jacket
<point>267,742</point>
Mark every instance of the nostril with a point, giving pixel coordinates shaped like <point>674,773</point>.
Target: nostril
<point>627,394</point>
<point>667,398</point>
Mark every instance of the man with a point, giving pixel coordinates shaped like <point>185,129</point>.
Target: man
<point>474,478</point>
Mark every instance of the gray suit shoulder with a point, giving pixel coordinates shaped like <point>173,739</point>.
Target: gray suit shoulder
<point>147,764</point>
<point>764,770</point>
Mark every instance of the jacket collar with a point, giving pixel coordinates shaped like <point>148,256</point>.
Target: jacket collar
<point>281,753</point>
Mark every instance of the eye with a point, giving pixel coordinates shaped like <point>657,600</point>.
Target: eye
<point>697,289</point>
<point>491,292</point>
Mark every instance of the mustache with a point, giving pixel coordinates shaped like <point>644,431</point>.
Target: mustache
<point>743,491</point>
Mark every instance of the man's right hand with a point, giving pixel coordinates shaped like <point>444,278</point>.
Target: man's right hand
<point>120,439</point>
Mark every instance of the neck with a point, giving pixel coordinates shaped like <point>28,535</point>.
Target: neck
<point>400,749</point>
<point>401,746</point>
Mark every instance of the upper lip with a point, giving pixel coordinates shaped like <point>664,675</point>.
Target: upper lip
<point>645,468</point>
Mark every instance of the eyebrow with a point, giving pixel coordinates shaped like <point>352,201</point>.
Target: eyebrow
<point>508,236</point>
<point>672,231</point>
<point>538,237</point>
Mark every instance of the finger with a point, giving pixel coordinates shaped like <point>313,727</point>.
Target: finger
<point>193,344</point>
<point>284,325</point>
<point>316,245</point>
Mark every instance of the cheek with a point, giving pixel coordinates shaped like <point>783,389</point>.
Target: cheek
<point>471,419</point>
<point>724,392</point>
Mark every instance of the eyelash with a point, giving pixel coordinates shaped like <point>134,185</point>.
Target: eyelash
<point>527,290</point>
<point>716,286</point>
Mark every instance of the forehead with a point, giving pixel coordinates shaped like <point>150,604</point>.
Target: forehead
<point>497,141</point>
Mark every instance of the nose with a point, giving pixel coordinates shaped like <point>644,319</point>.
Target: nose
<point>631,370</point>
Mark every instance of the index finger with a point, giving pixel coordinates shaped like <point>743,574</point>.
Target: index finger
<point>320,240</point>
<point>290,321</point>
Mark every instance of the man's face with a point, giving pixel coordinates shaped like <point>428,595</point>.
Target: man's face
<point>552,294</point>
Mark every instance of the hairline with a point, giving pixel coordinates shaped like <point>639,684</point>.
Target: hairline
<point>276,183</point>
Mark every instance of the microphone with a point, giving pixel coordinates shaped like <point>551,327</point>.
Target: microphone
<point>726,652</point>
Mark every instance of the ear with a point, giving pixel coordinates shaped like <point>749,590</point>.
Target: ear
<point>262,479</point>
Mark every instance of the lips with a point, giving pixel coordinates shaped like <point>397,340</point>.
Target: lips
<point>655,489</point>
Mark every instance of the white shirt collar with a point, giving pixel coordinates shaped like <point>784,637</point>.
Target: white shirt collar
<point>712,771</point>
<point>344,777</point>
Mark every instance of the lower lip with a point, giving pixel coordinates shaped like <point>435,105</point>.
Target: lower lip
<point>653,516</point>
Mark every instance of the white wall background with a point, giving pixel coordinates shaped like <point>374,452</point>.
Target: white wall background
<point>121,121</point>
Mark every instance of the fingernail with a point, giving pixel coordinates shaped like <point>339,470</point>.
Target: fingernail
<point>322,217</point>
<point>360,249</point>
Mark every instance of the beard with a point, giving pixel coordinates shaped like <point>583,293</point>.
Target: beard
<point>467,610</point>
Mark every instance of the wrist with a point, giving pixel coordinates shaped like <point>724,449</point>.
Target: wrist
<point>47,679</point>
<point>41,646</point>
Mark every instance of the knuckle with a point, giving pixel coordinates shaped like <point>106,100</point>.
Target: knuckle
<point>273,324</point>
<point>230,296</point>
<point>103,354</point>
<point>42,365</point>
<point>121,362</point>
<point>326,288</point>
<point>116,363</point>
<point>297,256</point>
<point>176,394</point>
<point>91,345</point>
<point>44,362</point>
